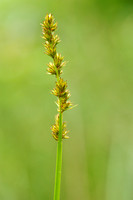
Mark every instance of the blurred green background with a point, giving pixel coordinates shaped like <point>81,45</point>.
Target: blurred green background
<point>97,40</point>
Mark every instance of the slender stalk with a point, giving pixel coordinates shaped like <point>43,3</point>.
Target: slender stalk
<point>58,162</point>
<point>59,155</point>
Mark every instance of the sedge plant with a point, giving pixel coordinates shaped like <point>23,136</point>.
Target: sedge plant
<point>55,67</point>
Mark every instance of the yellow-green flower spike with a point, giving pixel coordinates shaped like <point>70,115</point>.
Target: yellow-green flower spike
<point>49,27</point>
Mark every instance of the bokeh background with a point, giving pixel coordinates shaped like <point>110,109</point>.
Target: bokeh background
<point>97,40</point>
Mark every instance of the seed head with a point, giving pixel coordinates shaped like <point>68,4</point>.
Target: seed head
<point>55,68</point>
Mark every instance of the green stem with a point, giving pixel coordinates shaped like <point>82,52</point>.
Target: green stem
<point>58,158</point>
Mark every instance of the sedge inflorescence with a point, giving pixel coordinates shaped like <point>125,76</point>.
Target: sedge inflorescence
<point>55,68</point>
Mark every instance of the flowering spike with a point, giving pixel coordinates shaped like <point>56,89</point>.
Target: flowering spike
<point>60,91</point>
